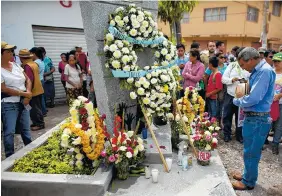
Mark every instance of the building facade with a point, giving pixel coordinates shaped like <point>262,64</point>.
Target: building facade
<point>55,25</point>
<point>236,23</point>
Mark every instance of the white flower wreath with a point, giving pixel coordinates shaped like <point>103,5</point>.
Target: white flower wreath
<point>154,89</point>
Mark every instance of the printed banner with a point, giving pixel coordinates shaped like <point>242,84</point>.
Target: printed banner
<point>241,117</point>
<point>115,32</point>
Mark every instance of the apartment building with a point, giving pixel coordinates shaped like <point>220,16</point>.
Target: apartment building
<point>236,23</point>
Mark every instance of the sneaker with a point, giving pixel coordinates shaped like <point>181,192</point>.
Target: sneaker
<point>275,149</point>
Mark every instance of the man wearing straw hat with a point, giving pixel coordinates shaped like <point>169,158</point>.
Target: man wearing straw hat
<point>256,106</point>
<point>32,71</point>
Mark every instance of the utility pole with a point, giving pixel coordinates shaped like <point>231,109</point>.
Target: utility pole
<point>264,24</point>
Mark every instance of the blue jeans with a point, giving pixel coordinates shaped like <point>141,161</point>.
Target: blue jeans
<point>278,128</point>
<point>14,117</point>
<point>44,111</point>
<point>255,130</point>
<point>212,107</point>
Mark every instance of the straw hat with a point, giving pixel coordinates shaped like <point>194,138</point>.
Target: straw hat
<point>6,46</point>
<point>24,53</point>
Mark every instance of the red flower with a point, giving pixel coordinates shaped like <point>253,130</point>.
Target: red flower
<point>191,88</point>
<point>84,126</point>
<point>107,135</point>
<point>128,142</point>
<point>82,111</point>
<point>123,138</point>
<point>104,116</point>
<point>208,124</point>
<point>214,145</point>
<point>88,101</point>
<point>115,148</point>
<point>163,147</point>
<point>114,141</point>
<point>129,149</point>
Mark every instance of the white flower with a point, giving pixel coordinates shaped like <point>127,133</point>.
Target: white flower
<point>79,156</point>
<point>113,47</point>
<point>133,17</point>
<point>125,50</point>
<point>81,98</point>
<point>106,48</point>
<point>217,128</point>
<point>157,54</point>
<point>65,137</point>
<point>77,141</point>
<point>207,133</point>
<point>148,76</point>
<point>140,18</point>
<point>177,117</point>
<point>79,164</point>
<point>146,84</point>
<point>135,152</point>
<point>142,80</point>
<point>109,37</point>
<point>135,24</point>
<point>126,68</point>
<point>168,57</point>
<point>152,104</point>
<point>146,101</point>
<point>150,29</point>
<point>117,54</point>
<point>148,94</point>
<point>153,97</point>
<point>165,63</point>
<point>130,57</point>
<point>164,78</point>
<point>154,81</point>
<point>130,80</point>
<point>154,74</point>
<point>185,118</point>
<point>146,34</point>
<point>76,103</point>
<point>129,155</point>
<point>132,5</point>
<point>78,126</point>
<point>211,128</point>
<point>107,65</point>
<point>145,24</point>
<point>158,87</point>
<point>147,13</point>
<point>165,43</point>
<point>214,140</point>
<point>67,131</point>
<point>140,91</point>
<point>126,19</point>
<point>119,9</point>
<point>137,84</point>
<point>164,51</point>
<point>122,148</point>
<point>140,147</point>
<point>142,29</point>
<point>208,147</point>
<point>125,59</point>
<point>119,43</point>
<point>133,95</point>
<point>132,10</point>
<point>133,32</point>
<point>130,133</point>
<point>77,150</point>
<point>116,64</point>
<point>117,18</point>
<point>170,116</point>
<point>64,143</point>
<point>113,23</point>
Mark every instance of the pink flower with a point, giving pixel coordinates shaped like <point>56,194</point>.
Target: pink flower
<point>151,146</point>
<point>206,114</point>
<point>191,88</point>
<point>103,153</point>
<point>213,120</point>
<point>129,149</point>
<point>112,158</point>
<point>215,134</point>
<point>196,137</point>
<point>208,138</point>
<point>116,155</point>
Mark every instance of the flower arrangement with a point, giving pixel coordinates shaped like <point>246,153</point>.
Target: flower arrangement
<point>74,149</point>
<point>124,148</point>
<point>191,106</point>
<point>155,87</point>
<point>84,135</point>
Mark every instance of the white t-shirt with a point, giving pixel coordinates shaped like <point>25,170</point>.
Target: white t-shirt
<point>278,86</point>
<point>73,75</point>
<point>14,80</point>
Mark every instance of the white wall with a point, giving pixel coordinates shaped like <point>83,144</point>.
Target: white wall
<point>18,18</point>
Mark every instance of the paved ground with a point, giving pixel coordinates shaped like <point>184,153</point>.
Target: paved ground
<point>55,116</point>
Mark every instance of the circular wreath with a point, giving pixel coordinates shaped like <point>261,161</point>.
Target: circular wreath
<point>131,29</point>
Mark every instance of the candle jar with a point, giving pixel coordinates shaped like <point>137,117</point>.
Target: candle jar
<point>169,163</point>
<point>155,174</point>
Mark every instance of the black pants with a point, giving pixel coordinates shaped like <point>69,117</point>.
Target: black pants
<point>36,111</point>
<point>229,109</point>
<point>64,84</point>
<point>84,88</point>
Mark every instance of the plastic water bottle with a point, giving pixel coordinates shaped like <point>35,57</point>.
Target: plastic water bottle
<point>179,157</point>
<point>185,159</point>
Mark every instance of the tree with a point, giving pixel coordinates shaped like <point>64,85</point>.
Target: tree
<point>172,12</point>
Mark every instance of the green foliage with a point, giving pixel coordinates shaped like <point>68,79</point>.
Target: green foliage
<point>49,158</point>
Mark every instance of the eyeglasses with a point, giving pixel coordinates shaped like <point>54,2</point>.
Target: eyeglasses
<point>270,57</point>
<point>221,57</point>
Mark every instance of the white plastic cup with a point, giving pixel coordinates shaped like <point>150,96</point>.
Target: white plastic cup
<point>169,163</point>
<point>155,174</point>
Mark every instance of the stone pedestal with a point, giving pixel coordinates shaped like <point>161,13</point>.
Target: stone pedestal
<point>95,20</point>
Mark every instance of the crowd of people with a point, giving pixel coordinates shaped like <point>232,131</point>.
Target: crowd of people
<point>27,88</point>
<point>218,77</point>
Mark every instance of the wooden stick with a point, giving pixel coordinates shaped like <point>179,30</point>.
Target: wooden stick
<point>186,131</point>
<point>122,126</point>
<point>137,127</point>
<point>155,139</point>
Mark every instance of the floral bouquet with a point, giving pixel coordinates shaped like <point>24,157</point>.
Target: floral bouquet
<point>191,106</point>
<point>123,149</point>
<point>83,135</point>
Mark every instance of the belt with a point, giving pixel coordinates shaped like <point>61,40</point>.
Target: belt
<point>256,113</point>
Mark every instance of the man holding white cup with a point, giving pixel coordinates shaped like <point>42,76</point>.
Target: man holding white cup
<point>256,106</point>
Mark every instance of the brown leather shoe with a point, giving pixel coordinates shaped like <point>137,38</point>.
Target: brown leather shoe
<point>37,128</point>
<point>237,176</point>
<point>238,185</point>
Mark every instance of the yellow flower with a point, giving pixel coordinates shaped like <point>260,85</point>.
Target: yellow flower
<point>165,88</point>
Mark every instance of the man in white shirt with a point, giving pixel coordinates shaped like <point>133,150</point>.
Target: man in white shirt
<point>232,76</point>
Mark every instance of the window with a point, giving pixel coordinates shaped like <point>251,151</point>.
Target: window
<point>215,14</point>
<point>276,8</point>
<point>186,18</point>
<point>252,14</point>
